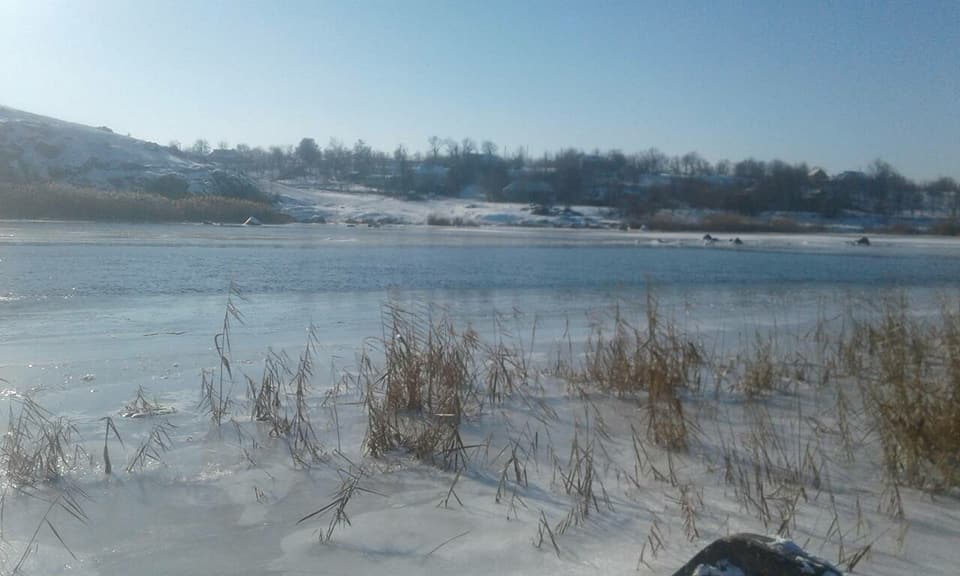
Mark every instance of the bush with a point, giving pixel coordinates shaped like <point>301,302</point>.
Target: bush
<point>436,220</point>
<point>235,186</point>
<point>168,186</point>
<point>946,228</point>
<point>728,222</point>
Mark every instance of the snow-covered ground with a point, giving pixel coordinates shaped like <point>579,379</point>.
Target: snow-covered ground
<point>308,203</point>
<point>317,202</point>
<point>34,147</point>
<point>560,479</point>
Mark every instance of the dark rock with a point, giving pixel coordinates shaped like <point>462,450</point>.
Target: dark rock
<point>707,238</point>
<point>755,555</point>
<point>863,241</point>
<point>737,241</point>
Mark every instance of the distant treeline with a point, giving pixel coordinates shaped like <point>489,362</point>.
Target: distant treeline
<point>639,184</point>
<point>58,201</point>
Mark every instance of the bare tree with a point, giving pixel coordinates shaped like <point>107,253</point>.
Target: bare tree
<point>309,153</point>
<point>336,156</point>
<point>750,169</point>
<point>520,158</point>
<point>723,168</point>
<point>404,175</point>
<point>200,147</point>
<point>362,158</point>
<point>653,161</point>
<point>693,164</point>
<point>435,144</point>
<point>453,148</point>
<point>277,159</point>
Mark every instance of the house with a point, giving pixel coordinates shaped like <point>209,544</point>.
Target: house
<point>818,176</point>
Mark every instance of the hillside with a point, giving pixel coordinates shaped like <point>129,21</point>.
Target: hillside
<point>37,148</point>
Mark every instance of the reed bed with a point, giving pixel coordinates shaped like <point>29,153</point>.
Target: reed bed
<point>427,385</point>
<point>655,364</point>
<point>908,374</point>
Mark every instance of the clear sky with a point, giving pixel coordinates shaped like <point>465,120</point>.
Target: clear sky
<point>835,84</point>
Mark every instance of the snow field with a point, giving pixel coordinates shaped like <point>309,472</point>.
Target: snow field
<point>554,473</point>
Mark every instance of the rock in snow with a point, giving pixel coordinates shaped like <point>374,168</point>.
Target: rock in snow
<point>755,555</point>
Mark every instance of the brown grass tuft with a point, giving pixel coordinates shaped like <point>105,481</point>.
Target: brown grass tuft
<point>417,400</point>
<point>910,382</point>
<point>656,364</point>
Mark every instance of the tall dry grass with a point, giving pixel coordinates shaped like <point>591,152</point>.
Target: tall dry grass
<point>281,401</point>
<point>428,383</point>
<point>58,201</point>
<point>908,371</point>
<point>36,455</point>
<point>216,385</point>
<point>432,377</point>
<point>655,363</point>
<point>38,447</point>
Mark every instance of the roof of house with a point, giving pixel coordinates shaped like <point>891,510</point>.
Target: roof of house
<point>850,175</point>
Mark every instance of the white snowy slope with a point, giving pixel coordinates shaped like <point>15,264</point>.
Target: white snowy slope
<point>34,147</point>
<point>307,203</point>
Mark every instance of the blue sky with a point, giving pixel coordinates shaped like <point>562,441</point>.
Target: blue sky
<point>836,84</point>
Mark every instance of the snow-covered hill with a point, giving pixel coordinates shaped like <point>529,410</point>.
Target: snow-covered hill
<point>308,202</point>
<point>34,147</point>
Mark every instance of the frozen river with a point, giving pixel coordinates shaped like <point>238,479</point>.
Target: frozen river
<point>89,312</point>
<point>138,305</point>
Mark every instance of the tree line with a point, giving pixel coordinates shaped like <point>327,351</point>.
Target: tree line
<point>638,183</point>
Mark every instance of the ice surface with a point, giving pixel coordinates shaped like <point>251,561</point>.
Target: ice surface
<point>228,502</point>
